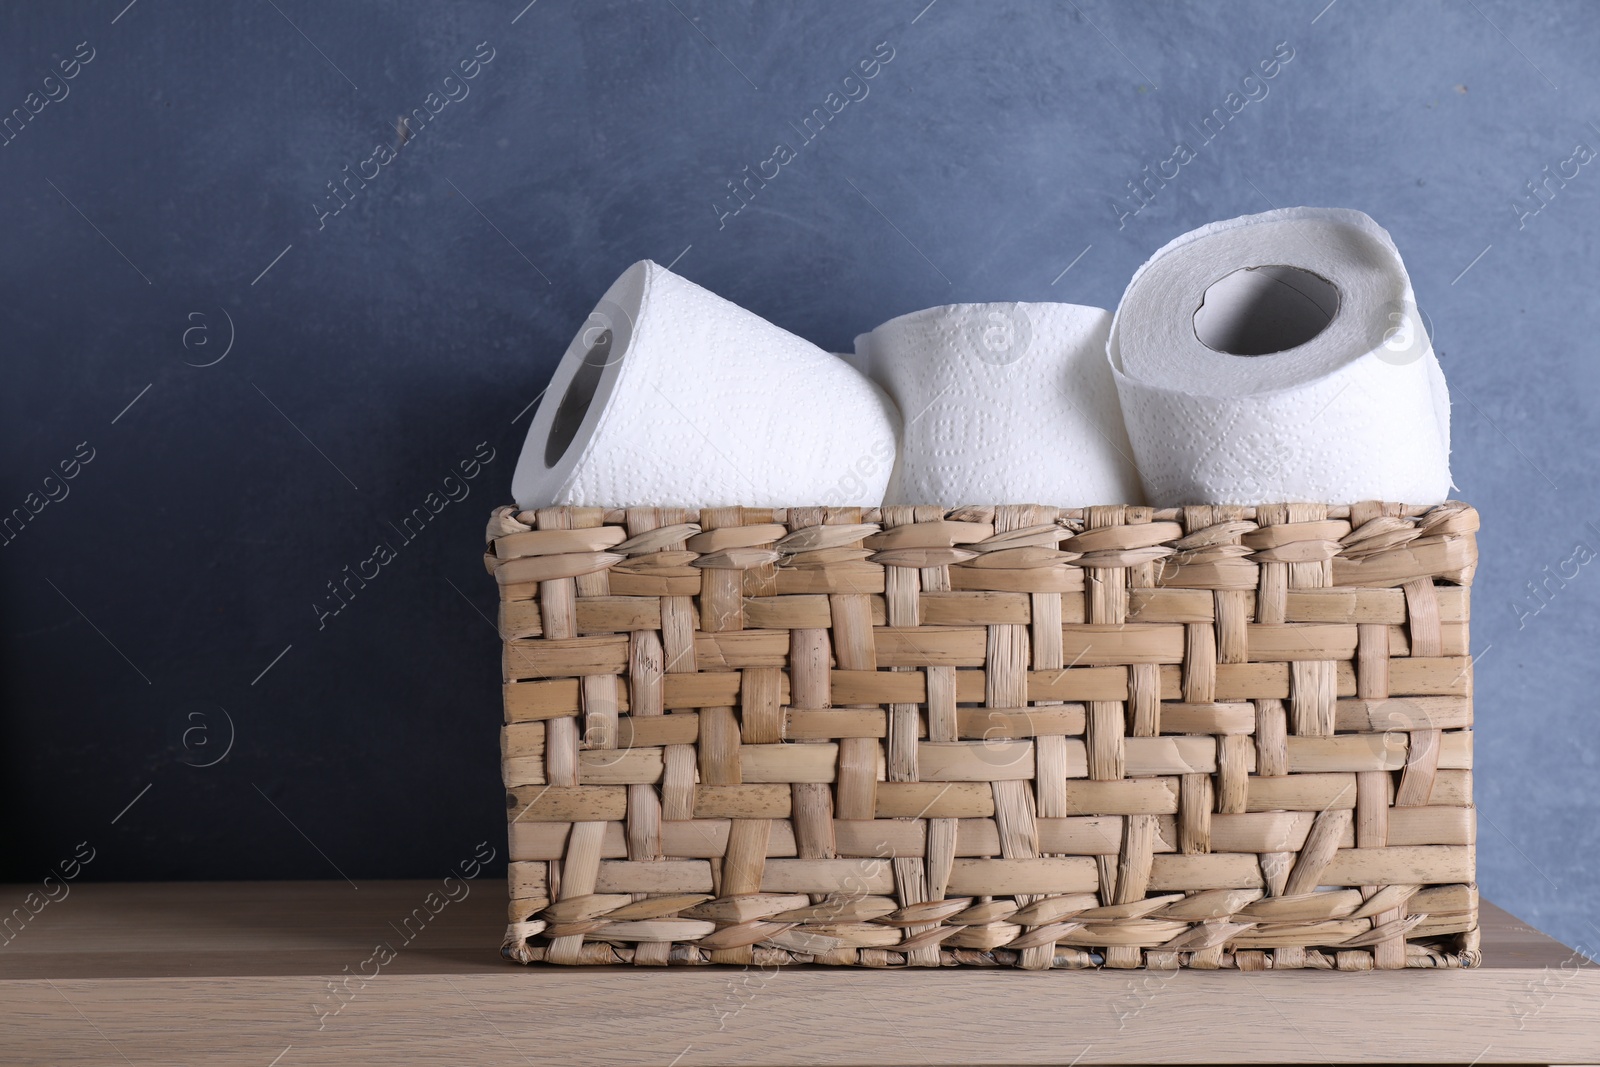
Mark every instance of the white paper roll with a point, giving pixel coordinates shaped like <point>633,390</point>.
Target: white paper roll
<point>1003,404</point>
<point>672,396</point>
<point>1281,357</point>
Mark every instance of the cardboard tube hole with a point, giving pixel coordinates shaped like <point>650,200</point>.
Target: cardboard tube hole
<point>1256,311</point>
<point>576,401</point>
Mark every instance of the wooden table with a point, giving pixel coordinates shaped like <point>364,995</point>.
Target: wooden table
<point>269,973</point>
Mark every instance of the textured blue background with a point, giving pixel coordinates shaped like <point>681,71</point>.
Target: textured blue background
<point>384,346</point>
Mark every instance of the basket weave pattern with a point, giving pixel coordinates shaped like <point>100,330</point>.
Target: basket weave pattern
<point>1213,737</point>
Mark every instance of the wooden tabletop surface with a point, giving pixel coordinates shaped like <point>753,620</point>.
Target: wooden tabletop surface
<point>291,973</point>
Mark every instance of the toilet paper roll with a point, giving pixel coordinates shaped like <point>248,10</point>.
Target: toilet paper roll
<point>1281,357</point>
<point>672,396</point>
<point>1003,403</point>
<point>854,359</point>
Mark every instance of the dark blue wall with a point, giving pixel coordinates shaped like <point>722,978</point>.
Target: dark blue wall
<point>388,343</point>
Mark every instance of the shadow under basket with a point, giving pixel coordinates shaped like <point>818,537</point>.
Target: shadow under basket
<point>1009,736</point>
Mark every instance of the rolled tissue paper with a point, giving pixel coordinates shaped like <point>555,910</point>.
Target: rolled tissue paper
<point>1003,403</point>
<point>672,396</point>
<point>1281,357</point>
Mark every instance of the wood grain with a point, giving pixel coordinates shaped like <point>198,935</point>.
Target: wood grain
<point>233,973</point>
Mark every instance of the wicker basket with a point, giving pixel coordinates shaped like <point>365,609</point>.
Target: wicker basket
<point>1022,736</point>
